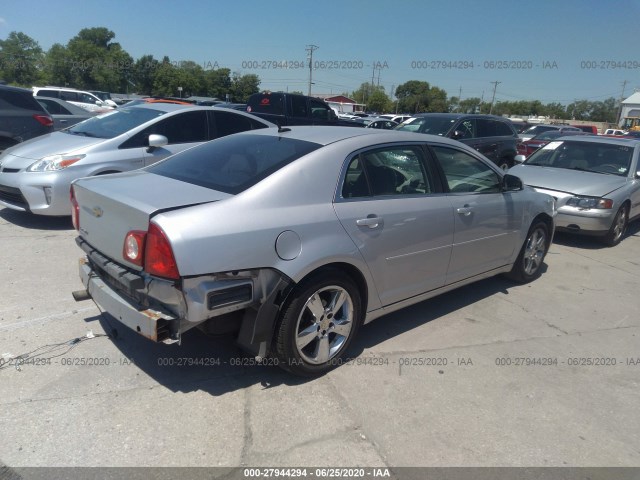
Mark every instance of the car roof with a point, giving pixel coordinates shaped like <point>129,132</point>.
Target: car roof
<point>325,135</point>
<point>628,142</point>
<point>459,115</point>
<point>15,89</point>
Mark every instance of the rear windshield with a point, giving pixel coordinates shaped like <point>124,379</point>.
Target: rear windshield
<point>585,156</point>
<point>117,122</point>
<point>433,125</point>
<point>271,104</point>
<point>233,164</point>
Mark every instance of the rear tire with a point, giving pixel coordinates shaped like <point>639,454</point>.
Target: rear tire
<point>618,227</point>
<point>318,324</point>
<point>528,265</point>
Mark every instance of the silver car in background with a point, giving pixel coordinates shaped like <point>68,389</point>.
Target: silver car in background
<point>595,181</point>
<point>35,176</point>
<point>294,237</point>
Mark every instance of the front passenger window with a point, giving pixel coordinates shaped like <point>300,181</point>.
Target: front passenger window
<point>465,173</point>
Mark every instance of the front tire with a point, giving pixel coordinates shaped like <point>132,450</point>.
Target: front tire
<point>618,227</point>
<point>528,265</point>
<point>318,324</point>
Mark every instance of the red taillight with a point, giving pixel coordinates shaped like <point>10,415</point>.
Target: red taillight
<point>45,120</point>
<point>133,248</point>
<point>159,259</point>
<point>75,210</point>
<point>151,250</point>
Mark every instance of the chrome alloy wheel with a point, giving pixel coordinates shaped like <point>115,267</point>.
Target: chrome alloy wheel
<point>324,324</point>
<point>535,250</point>
<point>620,225</point>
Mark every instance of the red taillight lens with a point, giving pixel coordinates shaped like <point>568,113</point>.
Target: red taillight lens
<point>158,257</point>
<point>45,120</point>
<point>133,249</point>
<point>75,210</point>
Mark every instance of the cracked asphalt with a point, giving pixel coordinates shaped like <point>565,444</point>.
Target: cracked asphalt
<point>493,374</point>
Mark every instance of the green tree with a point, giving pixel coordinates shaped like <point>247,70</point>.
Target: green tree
<point>418,96</point>
<point>373,96</point>
<point>218,83</point>
<point>243,86</point>
<point>143,74</point>
<point>97,62</point>
<point>21,59</point>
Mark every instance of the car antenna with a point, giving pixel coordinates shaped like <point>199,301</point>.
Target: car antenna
<point>282,129</point>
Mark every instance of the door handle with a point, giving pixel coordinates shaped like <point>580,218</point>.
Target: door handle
<point>372,221</point>
<point>466,210</point>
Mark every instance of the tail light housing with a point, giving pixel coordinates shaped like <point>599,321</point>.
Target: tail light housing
<point>45,120</point>
<point>152,251</point>
<point>75,210</point>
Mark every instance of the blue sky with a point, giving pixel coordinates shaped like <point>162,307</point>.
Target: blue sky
<point>584,44</point>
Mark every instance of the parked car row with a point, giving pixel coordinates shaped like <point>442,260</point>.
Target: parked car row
<point>318,229</point>
<point>35,176</point>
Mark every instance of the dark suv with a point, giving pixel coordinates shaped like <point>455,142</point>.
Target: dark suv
<point>494,137</point>
<point>21,116</point>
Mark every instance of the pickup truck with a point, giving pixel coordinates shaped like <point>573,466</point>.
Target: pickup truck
<point>293,109</point>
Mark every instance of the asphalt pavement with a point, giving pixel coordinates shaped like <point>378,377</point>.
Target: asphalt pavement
<point>491,375</point>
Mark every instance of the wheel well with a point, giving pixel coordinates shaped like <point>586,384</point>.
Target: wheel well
<point>353,273</point>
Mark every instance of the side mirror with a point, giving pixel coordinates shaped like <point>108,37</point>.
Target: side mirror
<point>100,103</point>
<point>638,174</point>
<point>519,158</point>
<point>157,141</point>
<point>511,183</point>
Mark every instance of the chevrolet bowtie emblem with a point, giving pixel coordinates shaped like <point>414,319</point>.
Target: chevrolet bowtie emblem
<point>97,212</point>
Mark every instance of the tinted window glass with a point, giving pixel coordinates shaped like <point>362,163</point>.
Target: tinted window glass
<point>466,174</point>
<point>466,129</point>
<point>299,106</point>
<point>233,164</point>
<point>386,171</point>
<point>114,123</point>
<point>319,110</point>
<point>433,125</point>
<point>503,129</point>
<point>12,100</point>
<point>228,123</point>
<point>69,96</point>
<point>83,97</point>
<point>48,93</point>
<point>485,128</point>
<point>51,106</point>
<point>188,127</point>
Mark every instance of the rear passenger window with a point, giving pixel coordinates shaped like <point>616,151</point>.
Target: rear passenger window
<point>230,123</point>
<point>466,129</point>
<point>466,174</point>
<point>504,130</point>
<point>485,128</point>
<point>387,171</point>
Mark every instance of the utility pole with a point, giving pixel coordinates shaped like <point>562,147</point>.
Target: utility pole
<point>624,84</point>
<point>459,98</point>
<point>495,86</point>
<point>310,49</point>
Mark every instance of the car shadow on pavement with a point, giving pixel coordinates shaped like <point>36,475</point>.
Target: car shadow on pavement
<point>592,243</point>
<point>212,364</point>
<point>216,366</point>
<point>38,222</point>
<point>407,319</point>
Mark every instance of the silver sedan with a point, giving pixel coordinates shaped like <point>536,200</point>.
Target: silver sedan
<point>295,237</point>
<point>35,176</point>
<point>595,181</point>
